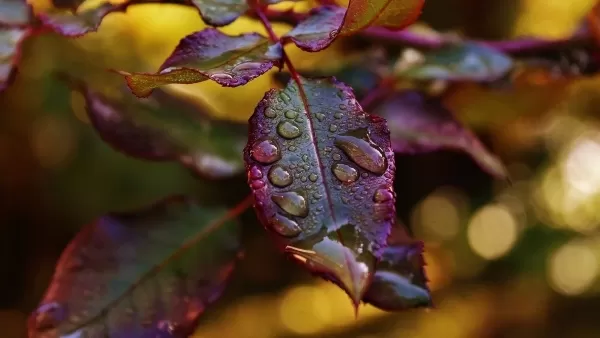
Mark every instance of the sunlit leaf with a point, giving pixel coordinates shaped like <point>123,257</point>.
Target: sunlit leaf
<point>149,273</point>
<point>322,172</point>
<point>167,128</point>
<point>464,62</point>
<point>14,12</point>
<point>399,282</point>
<point>10,40</point>
<point>230,61</point>
<point>325,23</point>
<point>421,124</point>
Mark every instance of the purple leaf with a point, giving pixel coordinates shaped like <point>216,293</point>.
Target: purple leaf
<point>14,13</point>
<point>149,273</point>
<point>420,124</point>
<point>322,172</point>
<point>75,24</point>
<point>167,128</point>
<point>10,41</point>
<point>400,282</point>
<point>318,30</point>
<point>230,61</point>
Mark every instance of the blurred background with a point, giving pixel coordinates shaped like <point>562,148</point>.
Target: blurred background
<point>520,260</point>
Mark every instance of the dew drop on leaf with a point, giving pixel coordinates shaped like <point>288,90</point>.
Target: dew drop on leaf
<point>320,116</point>
<point>265,151</point>
<point>345,173</point>
<point>383,195</point>
<point>288,130</point>
<point>255,173</point>
<point>285,226</point>
<point>337,157</point>
<point>313,177</point>
<point>291,114</point>
<point>221,76</point>
<point>362,152</point>
<point>333,128</point>
<point>270,112</point>
<point>247,66</point>
<point>291,202</point>
<point>280,177</point>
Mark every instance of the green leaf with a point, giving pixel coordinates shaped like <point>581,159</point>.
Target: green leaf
<point>420,124</point>
<point>14,13</point>
<point>220,12</point>
<point>149,273</point>
<point>230,61</point>
<point>10,41</point>
<point>464,62</point>
<point>322,173</point>
<point>167,128</point>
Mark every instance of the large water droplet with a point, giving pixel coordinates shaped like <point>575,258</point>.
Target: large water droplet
<point>285,226</point>
<point>279,176</point>
<point>221,76</point>
<point>265,151</point>
<point>363,152</point>
<point>288,130</point>
<point>255,173</point>
<point>247,66</point>
<point>344,172</point>
<point>383,195</point>
<point>291,114</point>
<point>291,202</point>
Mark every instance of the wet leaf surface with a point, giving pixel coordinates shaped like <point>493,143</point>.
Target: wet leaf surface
<point>75,24</point>
<point>164,127</point>
<point>230,61</point>
<point>149,273</point>
<point>400,282</point>
<point>14,13</point>
<point>10,41</point>
<point>421,124</point>
<point>322,172</point>
<point>464,62</point>
<point>324,24</point>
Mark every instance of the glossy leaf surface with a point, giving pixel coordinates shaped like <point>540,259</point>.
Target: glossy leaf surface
<point>74,24</point>
<point>14,12</point>
<point>10,41</point>
<point>209,54</point>
<point>421,124</point>
<point>324,24</point>
<point>145,274</point>
<point>400,282</point>
<point>322,172</point>
<point>167,128</point>
<point>464,62</point>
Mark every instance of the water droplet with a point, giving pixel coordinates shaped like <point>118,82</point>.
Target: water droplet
<point>338,115</point>
<point>299,119</point>
<point>333,128</point>
<point>285,97</point>
<point>291,202</point>
<point>265,151</point>
<point>247,66</point>
<point>280,177</point>
<point>343,106</point>
<point>362,152</point>
<point>292,148</point>
<point>303,179</point>
<point>291,114</point>
<point>221,77</point>
<point>304,157</point>
<point>345,173</point>
<point>258,184</point>
<point>337,157</point>
<point>48,316</point>
<point>320,116</point>
<point>288,130</point>
<point>313,177</point>
<point>270,112</point>
<point>284,226</point>
<point>365,175</point>
<point>317,196</point>
<point>255,173</point>
<point>383,195</point>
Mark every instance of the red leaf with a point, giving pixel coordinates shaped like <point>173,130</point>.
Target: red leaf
<point>230,61</point>
<point>322,172</point>
<point>142,274</point>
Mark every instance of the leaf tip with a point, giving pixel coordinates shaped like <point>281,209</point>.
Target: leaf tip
<point>137,83</point>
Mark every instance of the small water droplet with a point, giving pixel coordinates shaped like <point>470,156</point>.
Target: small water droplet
<point>383,195</point>
<point>317,196</point>
<point>338,115</point>
<point>303,179</point>
<point>285,97</point>
<point>313,177</point>
<point>284,226</point>
<point>265,151</point>
<point>288,130</point>
<point>221,76</point>
<point>320,116</point>
<point>292,148</point>
<point>342,106</point>
<point>345,200</point>
<point>255,173</point>
<point>270,112</point>
<point>345,173</point>
<point>333,128</point>
<point>247,66</point>
<point>291,202</point>
<point>258,184</point>
<point>299,119</point>
<point>291,114</point>
<point>280,177</point>
<point>337,157</point>
<point>364,175</point>
<point>304,157</point>
<point>362,152</point>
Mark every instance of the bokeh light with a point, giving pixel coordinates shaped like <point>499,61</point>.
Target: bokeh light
<point>439,215</point>
<point>573,268</point>
<point>492,231</point>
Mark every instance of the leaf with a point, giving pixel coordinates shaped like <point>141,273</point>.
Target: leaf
<point>149,273</point>
<point>322,172</point>
<point>220,12</point>
<point>326,23</point>
<point>167,128</point>
<point>420,124</point>
<point>14,13</point>
<point>230,61</point>
<point>400,282</point>
<point>464,62</point>
<point>10,41</point>
<point>75,24</point>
